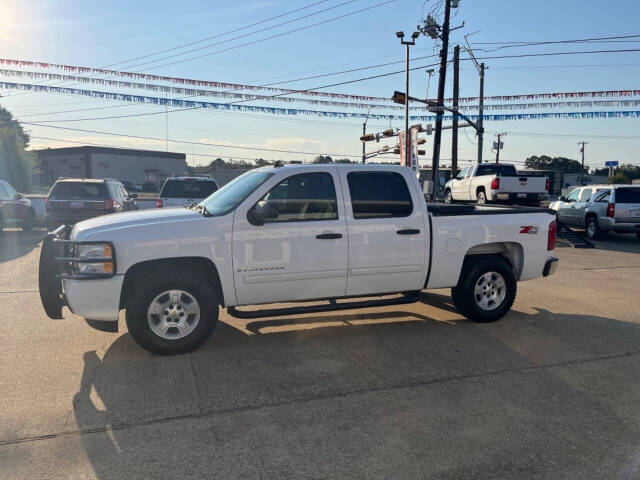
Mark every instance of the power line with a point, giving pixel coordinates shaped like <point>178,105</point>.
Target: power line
<point>270,37</point>
<point>218,35</point>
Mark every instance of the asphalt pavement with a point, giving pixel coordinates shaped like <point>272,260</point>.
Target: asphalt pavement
<point>415,391</point>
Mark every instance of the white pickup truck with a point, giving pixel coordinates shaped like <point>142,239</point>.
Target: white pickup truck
<point>495,183</point>
<point>285,234</point>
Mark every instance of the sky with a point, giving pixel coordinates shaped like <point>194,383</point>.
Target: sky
<point>99,34</point>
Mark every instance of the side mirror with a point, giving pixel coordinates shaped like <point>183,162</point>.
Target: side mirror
<point>133,195</point>
<point>563,198</point>
<point>18,196</point>
<point>261,213</point>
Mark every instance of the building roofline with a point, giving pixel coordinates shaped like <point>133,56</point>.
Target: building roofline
<point>122,151</point>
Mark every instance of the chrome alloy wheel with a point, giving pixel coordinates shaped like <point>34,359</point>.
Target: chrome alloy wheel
<point>173,314</point>
<point>490,291</point>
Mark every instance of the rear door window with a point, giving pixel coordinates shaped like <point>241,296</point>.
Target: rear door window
<point>628,195</point>
<point>304,197</point>
<point>78,191</point>
<point>379,195</point>
<point>585,195</point>
<point>188,188</point>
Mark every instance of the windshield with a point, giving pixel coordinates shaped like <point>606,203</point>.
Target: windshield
<point>189,188</point>
<point>233,193</point>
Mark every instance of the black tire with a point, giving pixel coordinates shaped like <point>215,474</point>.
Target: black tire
<point>448,197</point>
<point>190,280</point>
<point>593,230</point>
<point>638,235</point>
<point>481,198</point>
<point>29,221</point>
<point>464,296</point>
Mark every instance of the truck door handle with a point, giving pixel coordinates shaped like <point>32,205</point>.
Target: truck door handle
<point>328,236</point>
<point>408,231</point>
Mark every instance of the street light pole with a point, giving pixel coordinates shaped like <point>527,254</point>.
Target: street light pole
<point>407,137</point>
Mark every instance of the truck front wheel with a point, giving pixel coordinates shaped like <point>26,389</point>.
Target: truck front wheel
<point>486,290</point>
<point>172,312</point>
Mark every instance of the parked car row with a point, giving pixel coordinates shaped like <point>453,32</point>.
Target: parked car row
<point>600,209</point>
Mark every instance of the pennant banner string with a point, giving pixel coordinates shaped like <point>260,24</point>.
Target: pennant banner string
<point>236,86</point>
<point>296,111</point>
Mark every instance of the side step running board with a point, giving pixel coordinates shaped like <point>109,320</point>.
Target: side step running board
<point>330,307</point>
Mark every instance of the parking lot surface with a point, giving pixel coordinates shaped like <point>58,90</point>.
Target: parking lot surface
<point>551,391</point>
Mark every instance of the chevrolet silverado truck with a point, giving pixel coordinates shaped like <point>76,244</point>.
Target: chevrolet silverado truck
<point>334,236</point>
<point>495,183</point>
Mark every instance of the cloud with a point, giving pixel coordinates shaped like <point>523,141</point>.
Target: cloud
<point>295,143</point>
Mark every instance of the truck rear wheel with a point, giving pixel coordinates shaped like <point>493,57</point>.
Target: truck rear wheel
<point>481,198</point>
<point>174,312</point>
<point>486,290</point>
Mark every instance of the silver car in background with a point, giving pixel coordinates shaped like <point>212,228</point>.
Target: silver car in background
<point>600,209</point>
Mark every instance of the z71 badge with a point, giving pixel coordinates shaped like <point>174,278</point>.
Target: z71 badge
<point>530,229</point>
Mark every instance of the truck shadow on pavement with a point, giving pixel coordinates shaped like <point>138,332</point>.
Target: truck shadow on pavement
<point>16,243</point>
<point>538,393</point>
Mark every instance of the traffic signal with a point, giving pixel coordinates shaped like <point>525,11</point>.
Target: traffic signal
<point>398,97</point>
<point>368,137</point>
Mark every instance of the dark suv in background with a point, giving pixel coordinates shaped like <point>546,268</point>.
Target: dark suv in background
<point>72,200</point>
<point>15,210</point>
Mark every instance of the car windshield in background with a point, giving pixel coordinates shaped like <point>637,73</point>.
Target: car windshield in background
<point>233,193</point>
<point>628,195</point>
<point>501,170</point>
<point>188,188</point>
<point>78,191</point>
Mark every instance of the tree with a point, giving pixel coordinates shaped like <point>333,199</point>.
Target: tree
<point>620,177</point>
<point>323,159</point>
<point>16,164</point>
<point>544,162</point>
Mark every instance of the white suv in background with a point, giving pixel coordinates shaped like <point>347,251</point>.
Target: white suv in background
<point>183,191</point>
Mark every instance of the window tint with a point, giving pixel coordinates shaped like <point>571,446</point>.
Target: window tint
<point>304,197</point>
<point>78,191</point>
<point>188,188</point>
<point>603,196</point>
<point>627,195</point>
<point>502,170</point>
<point>585,195</point>
<point>574,194</point>
<point>379,195</point>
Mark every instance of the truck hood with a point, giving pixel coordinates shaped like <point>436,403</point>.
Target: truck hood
<point>105,223</point>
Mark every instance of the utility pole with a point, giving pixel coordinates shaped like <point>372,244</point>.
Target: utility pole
<point>456,94</point>
<point>582,169</point>
<point>407,134</point>
<point>481,115</point>
<point>441,86</point>
<point>364,132</point>
<point>498,147</point>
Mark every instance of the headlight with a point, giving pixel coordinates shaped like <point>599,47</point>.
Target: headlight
<point>98,256</point>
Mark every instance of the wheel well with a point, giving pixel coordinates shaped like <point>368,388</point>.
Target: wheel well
<point>588,216</point>
<point>511,251</point>
<point>478,190</point>
<point>141,270</point>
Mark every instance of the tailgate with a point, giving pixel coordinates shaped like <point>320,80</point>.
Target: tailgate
<point>523,184</point>
<point>178,202</point>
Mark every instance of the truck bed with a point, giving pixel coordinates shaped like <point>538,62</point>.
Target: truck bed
<point>447,210</point>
